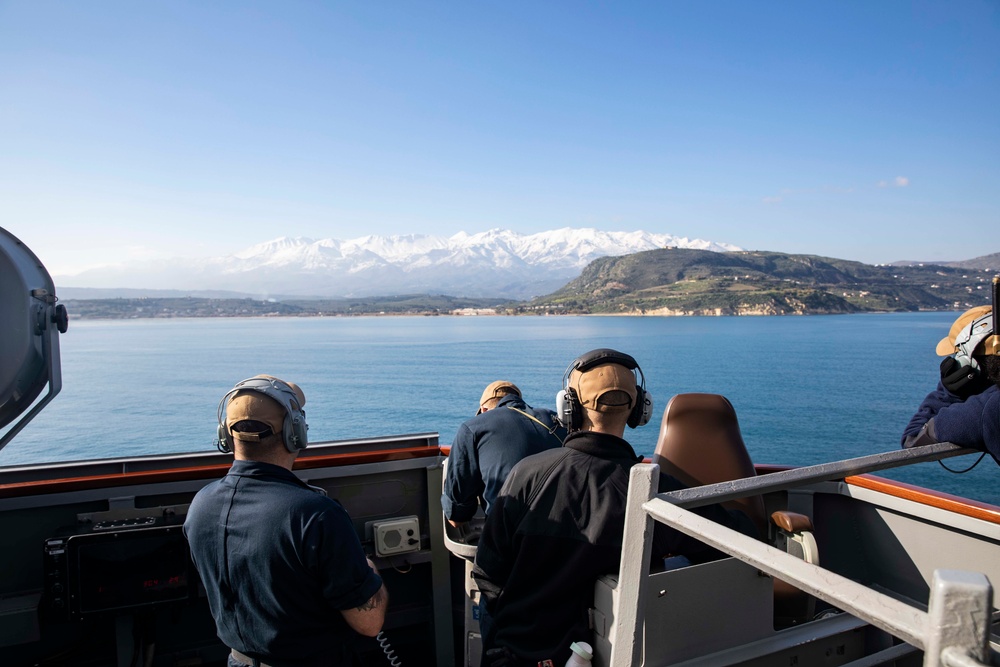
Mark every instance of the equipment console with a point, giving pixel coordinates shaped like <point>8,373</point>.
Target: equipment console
<point>117,566</point>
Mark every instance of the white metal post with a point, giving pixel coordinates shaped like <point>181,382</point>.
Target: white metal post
<point>633,576</point>
<point>958,618</point>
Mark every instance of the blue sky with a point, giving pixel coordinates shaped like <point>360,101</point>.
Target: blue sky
<point>859,130</point>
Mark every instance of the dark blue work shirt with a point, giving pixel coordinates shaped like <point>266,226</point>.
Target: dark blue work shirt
<point>487,446</point>
<point>279,561</point>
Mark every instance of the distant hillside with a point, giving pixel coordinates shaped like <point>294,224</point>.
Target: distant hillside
<point>984,263</point>
<point>670,281</point>
<point>98,293</point>
<point>160,307</point>
<point>495,264</point>
<point>695,282</point>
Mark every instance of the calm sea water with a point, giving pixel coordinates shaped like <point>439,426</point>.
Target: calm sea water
<point>806,389</point>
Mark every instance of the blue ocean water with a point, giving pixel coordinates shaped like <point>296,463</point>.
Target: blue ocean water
<point>806,389</point>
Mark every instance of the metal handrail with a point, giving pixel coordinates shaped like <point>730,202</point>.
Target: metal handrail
<point>721,492</point>
<point>954,594</point>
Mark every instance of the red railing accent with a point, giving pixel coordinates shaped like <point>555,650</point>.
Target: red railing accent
<point>62,485</point>
<point>947,502</point>
<point>917,494</point>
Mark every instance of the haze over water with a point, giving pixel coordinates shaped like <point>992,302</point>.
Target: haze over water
<point>806,389</point>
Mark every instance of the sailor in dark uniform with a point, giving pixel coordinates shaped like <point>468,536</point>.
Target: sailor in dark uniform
<point>964,409</point>
<point>287,580</point>
<point>558,522</point>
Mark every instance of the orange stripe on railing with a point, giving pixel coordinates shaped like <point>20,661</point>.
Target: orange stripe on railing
<point>67,484</point>
<point>917,494</point>
<point>945,501</point>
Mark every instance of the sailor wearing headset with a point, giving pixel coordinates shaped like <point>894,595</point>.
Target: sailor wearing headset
<point>486,447</point>
<point>287,580</point>
<point>558,522</point>
<point>964,409</point>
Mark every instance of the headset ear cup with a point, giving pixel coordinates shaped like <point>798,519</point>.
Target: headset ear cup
<point>222,442</point>
<point>564,408</point>
<point>294,432</point>
<point>568,410</point>
<point>288,434</point>
<point>961,379</point>
<point>642,411</point>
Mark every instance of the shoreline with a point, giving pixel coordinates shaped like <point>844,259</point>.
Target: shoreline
<point>86,318</point>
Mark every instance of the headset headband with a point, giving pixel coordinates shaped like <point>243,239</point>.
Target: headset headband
<point>600,356</point>
<point>603,356</point>
<point>267,384</point>
<point>294,428</point>
<point>974,333</point>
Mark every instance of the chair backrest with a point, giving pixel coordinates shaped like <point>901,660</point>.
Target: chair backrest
<point>700,443</point>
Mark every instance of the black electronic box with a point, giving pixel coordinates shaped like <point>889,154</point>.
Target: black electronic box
<point>117,566</point>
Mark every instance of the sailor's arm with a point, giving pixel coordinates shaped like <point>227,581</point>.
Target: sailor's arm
<point>975,423</point>
<point>367,619</point>
<point>463,483</point>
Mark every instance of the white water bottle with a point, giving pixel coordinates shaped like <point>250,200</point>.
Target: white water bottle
<point>581,655</point>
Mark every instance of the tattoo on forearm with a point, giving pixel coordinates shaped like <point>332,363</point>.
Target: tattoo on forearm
<point>373,602</point>
<point>368,606</point>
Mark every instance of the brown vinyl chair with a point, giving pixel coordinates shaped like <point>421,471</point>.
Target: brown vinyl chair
<point>700,443</point>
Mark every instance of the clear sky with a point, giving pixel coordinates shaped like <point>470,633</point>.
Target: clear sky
<point>858,130</point>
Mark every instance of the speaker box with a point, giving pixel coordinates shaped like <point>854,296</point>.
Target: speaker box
<point>396,536</point>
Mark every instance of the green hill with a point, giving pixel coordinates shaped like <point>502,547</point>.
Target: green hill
<point>669,281</point>
<point>674,281</point>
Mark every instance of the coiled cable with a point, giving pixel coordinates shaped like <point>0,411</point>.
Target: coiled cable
<point>390,655</point>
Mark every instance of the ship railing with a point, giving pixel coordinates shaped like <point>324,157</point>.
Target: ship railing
<point>954,594</point>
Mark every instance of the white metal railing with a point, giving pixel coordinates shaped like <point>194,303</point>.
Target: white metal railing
<point>953,632</point>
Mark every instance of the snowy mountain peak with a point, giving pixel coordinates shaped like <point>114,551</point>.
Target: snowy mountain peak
<point>495,263</point>
<point>282,244</point>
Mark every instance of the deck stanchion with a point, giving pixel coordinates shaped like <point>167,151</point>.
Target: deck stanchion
<point>440,572</point>
<point>626,649</point>
<point>958,619</point>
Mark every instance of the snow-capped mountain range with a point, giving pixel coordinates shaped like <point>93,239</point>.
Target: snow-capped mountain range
<point>496,263</point>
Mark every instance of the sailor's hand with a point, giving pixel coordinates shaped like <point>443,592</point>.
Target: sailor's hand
<point>501,657</point>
